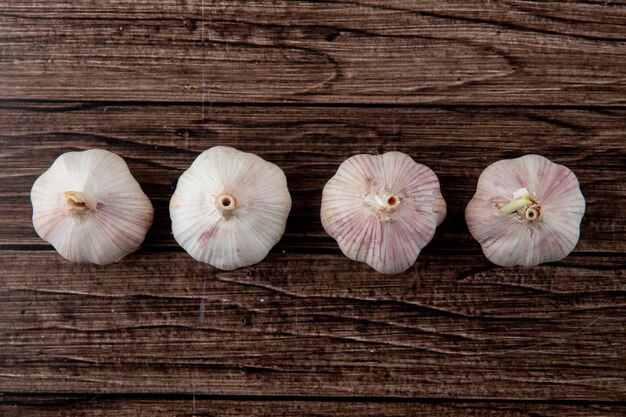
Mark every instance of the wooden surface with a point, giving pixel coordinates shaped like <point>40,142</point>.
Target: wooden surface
<point>367,51</point>
<point>305,85</point>
<point>195,405</point>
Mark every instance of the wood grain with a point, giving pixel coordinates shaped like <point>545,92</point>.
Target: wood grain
<point>160,142</point>
<point>355,51</point>
<point>295,324</point>
<point>305,84</point>
<point>197,406</point>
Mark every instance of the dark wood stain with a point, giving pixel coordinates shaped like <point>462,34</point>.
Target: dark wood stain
<point>197,405</point>
<point>525,53</point>
<point>457,85</point>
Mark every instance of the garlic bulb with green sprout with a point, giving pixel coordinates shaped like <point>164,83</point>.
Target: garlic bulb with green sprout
<point>526,211</point>
<point>382,209</point>
<point>230,208</point>
<point>90,208</point>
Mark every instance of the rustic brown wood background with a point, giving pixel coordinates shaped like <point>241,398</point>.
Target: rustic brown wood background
<point>305,84</point>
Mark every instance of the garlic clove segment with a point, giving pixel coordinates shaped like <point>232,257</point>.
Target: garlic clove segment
<point>526,211</point>
<point>90,208</point>
<point>382,209</point>
<point>230,208</point>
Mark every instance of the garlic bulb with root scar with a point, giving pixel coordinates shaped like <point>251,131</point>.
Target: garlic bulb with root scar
<point>382,209</point>
<point>90,208</point>
<point>230,208</point>
<point>526,211</point>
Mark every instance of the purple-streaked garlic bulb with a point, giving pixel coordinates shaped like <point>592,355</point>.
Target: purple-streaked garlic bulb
<point>526,211</point>
<point>382,209</point>
<point>90,208</point>
<point>230,208</point>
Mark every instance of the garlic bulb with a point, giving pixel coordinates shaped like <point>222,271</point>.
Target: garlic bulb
<point>526,211</point>
<point>383,209</point>
<point>90,208</point>
<point>230,208</point>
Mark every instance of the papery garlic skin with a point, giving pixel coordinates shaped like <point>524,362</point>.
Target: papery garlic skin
<point>526,230</point>
<point>382,209</point>
<point>230,208</point>
<point>90,208</point>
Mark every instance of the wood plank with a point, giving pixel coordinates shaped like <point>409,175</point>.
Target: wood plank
<point>160,142</point>
<point>103,405</point>
<point>354,51</point>
<point>452,327</point>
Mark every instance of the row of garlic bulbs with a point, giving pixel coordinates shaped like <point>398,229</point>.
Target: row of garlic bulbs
<point>230,208</point>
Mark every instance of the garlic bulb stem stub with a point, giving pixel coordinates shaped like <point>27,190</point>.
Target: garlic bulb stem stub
<point>387,202</point>
<point>225,203</point>
<point>75,202</point>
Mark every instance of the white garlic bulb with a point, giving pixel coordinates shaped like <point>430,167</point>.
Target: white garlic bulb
<point>526,211</point>
<point>230,208</point>
<point>90,208</point>
<point>383,209</point>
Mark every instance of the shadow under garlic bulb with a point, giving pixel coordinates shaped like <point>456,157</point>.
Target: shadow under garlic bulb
<point>230,208</point>
<point>90,208</point>
<point>382,209</point>
<point>526,211</point>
